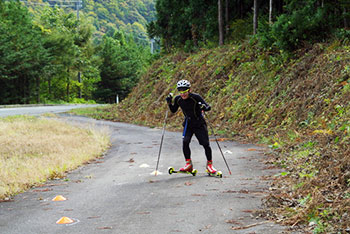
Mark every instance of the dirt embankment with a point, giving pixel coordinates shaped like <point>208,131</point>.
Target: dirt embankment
<point>300,107</point>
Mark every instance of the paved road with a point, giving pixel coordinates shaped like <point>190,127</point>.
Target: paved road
<point>119,194</point>
<point>38,110</point>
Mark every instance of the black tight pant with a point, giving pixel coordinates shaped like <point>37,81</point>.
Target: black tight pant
<point>201,134</point>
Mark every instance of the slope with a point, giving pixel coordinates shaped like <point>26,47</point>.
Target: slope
<point>299,107</point>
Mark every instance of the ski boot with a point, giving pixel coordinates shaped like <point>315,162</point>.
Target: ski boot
<point>212,171</point>
<point>188,167</point>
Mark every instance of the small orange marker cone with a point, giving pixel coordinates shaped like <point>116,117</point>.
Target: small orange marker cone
<point>64,220</point>
<point>59,198</point>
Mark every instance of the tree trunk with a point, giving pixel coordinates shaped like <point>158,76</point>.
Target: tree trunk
<point>79,80</point>
<point>68,84</point>
<point>38,89</point>
<point>49,84</point>
<point>255,18</point>
<point>279,7</point>
<point>270,12</point>
<point>345,20</point>
<point>227,17</point>
<point>194,35</point>
<point>240,9</point>
<point>220,23</point>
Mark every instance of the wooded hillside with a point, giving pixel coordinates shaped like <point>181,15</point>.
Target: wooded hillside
<point>51,55</point>
<point>106,16</point>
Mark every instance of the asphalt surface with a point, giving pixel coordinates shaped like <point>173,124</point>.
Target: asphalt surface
<point>119,194</point>
<point>38,110</point>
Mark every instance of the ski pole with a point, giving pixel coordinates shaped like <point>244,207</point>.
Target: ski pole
<point>161,142</point>
<point>222,154</point>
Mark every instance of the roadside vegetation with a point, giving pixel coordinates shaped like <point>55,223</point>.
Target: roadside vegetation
<point>33,150</point>
<point>297,107</point>
<point>107,112</point>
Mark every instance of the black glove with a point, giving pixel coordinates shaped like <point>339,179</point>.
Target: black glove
<point>202,106</point>
<point>169,98</point>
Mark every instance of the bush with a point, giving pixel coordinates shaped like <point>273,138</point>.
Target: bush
<point>342,35</point>
<point>307,24</point>
<point>240,29</point>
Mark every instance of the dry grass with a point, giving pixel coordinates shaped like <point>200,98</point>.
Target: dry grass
<point>33,150</point>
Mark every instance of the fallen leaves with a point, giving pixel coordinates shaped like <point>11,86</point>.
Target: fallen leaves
<point>131,160</point>
<point>245,191</point>
<point>232,221</point>
<point>198,195</point>
<point>221,139</point>
<point>252,149</point>
<point>143,212</point>
<point>104,228</point>
<point>42,190</point>
<point>7,200</point>
<point>249,226</point>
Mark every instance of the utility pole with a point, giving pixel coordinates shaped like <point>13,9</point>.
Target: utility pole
<point>152,46</point>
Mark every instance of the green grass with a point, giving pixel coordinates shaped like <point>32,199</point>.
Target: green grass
<point>106,112</point>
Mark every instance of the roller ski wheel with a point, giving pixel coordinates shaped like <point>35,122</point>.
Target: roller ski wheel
<point>216,174</point>
<point>171,170</point>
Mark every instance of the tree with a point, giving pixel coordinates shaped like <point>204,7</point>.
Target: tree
<point>121,66</point>
<point>23,58</point>
<point>185,23</point>
<point>255,17</point>
<point>72,51</point>
<point>220,23</point>
<point>227,25</point>
<point>270,12</point>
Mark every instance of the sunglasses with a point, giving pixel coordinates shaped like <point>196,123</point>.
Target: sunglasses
<point>184,91</point>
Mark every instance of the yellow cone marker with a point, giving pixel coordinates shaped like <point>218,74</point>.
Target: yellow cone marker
<point>64,220</point>
<point>59,198</point>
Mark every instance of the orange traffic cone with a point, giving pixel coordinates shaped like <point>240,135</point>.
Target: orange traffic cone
<point>64,220</point>
<point>59,198</point>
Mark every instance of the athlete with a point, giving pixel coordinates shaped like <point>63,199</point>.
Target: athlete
<point>192,106</point>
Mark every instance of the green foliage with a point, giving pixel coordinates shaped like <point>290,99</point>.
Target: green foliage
<point>343,35</point>
<point>306,23</point>
<point>106,112</point>
<point>240,28</point>
<point>128,16</point>
<point>70,45</point>
<point>189,25</point>
<point>184,24</point>
<point>23,56</point>
<point>52,56</point>
<point>121,67</point>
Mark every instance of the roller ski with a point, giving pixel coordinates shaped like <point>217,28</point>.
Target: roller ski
<point>171,170</point>
<point>187,169</point>
<point>212,171</point>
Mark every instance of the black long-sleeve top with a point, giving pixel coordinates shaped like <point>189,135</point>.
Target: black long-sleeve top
<point>190,108</point>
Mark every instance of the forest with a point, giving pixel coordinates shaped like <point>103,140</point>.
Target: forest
<point>78,51</point>
<point>51,53</point>
<point>279,25</point>
<point>128,16</point>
